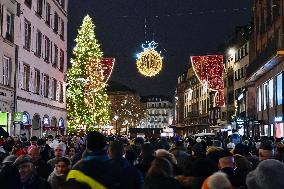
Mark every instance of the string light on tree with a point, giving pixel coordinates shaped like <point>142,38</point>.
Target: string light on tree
<point>149,62</point>
<point>87,101</point>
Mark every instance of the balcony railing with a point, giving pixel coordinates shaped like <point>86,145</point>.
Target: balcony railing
<point>193,114</point>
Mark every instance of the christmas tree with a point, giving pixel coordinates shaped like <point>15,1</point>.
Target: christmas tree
<point>87,101</point>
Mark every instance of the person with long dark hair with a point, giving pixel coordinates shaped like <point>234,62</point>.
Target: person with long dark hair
<point>160,175</point>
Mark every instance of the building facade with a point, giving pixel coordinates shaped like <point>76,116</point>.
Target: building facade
<point>126,109</point>
<point>9,41</point>
<point>159,111</point>
<point>178,121</point>
<point>265,72</point>
<point>42,66</point>
<point>196,106</point>
<point>194,111</point>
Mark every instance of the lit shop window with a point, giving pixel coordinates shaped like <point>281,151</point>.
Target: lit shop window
<point>270,93</point>
<point>279,89</point>
<point>259,99</point>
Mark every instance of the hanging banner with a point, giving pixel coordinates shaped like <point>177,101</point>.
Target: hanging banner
<point>18,117</point>
<point>3,118</point>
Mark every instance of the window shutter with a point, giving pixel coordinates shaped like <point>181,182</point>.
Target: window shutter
<point>43,46</point>
<point>10,68</point>
<point>20,77</point>
<point>12,27</point>
<point>31,82</point>
<point>51,44</point>
<point>4,24</point>
<point>57,90</point>
<point>63,92</point>
<point>23,33</point>
<point>43,9</point>
<point>50,87</point>
<point>33,42</point>
<point>41,84</point>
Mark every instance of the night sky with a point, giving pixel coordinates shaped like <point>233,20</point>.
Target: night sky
<point>180,34</point>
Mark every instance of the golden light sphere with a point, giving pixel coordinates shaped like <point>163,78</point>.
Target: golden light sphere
<point>149,62</point>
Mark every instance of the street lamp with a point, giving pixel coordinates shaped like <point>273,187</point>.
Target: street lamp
<point>115,118</point>
<point>231,51</point>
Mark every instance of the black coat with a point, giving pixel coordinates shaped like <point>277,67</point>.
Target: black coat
<point>145,164</point>
<point>161,183</point>
<point>10,178</point>
<point>237,179</point>
<point>43,169</point>
<point>35,182</point>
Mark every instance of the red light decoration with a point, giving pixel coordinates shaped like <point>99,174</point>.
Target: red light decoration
<point>209,71</point>
<point>107,66</point>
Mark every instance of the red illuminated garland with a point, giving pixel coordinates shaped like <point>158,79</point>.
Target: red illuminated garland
<point>209,70</point>
<point>107,66</point>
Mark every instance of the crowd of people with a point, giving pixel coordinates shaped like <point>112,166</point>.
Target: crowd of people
<point>99,162</point>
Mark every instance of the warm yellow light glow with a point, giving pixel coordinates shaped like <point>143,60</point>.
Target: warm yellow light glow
<point>149,62</point>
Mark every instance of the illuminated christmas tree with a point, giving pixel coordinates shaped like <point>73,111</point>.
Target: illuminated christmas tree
<point>87,101</point>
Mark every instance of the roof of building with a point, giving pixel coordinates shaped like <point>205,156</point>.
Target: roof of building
<point>115,86</point>
<point>155,98</point>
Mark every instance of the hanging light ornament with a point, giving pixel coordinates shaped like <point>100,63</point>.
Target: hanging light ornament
<point>149,62</point>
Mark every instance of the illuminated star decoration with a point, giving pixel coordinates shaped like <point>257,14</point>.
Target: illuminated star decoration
<point>149,62</point>
<point>209,71</point>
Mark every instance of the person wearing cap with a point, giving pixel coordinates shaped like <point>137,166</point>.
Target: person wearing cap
<point>94,169</point>
<point>28,175</point>
<point>45,150</point>
<point>59,151</point>
<point>9,174</point>
<point>227,165</point>
<point>266,150</point>
<point>268,175</point>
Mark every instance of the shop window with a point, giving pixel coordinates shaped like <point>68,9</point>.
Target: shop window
<point>265,96</point>
<point>279,89</point>
<point>259,99</point>
<point>270,93</point>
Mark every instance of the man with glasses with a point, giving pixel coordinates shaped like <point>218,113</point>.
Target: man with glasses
<point>28,175</point>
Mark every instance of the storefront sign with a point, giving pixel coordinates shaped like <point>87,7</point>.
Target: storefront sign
<point>278,119</point>
<point>3,118</point>
<point>18,117</point>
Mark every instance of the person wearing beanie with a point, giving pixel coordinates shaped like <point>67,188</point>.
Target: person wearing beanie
<point>95,169</point>
<point>59,151</point>
<point>9,174</point>
<point>268,175</point>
